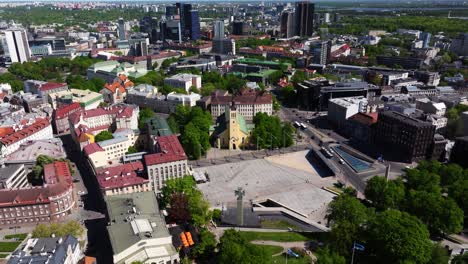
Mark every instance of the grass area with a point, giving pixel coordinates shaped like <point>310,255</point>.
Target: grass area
<point>8,246</point>
<point>270,249</point>
<point>18,236</point>
<point>291,260</point>
<point>278,224</point>
<point>2,256</point>
<point>283,236</point>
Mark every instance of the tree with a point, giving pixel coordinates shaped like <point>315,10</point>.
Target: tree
<point>144,115</point>
<point>194,89</point>
<point>440,255</point>
<point>326,256</point>
<point>270,132</point>
<point>206,247</point>
<point>179,209</point>
<point>103,135</point>
<point>194,124</point>
<point>460,259</point>
<point>444,217</point>
<point>298,77</point>
<point>132,150</point>
<point>422,180</point>
<point>58,229</point>
<point>234,248</point>
<point>397,237</point>
<point>346,215</point>
<point>458,191</point>
<point>385,194</point>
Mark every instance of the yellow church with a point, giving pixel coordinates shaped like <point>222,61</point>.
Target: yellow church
<point>231,131</point>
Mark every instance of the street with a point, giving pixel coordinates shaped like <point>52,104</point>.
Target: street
<point>94,209</point>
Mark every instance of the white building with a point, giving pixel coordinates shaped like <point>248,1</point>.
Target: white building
<point>40,129</point>
<point>429,107</point>
<point>184,81</point>
<point>184,99</point>
<point>340,109</point>
<point>13,176</point>
<point>110,152</point>
<point>169,162</point>
<point>15,45</point>
<point>439,122</point>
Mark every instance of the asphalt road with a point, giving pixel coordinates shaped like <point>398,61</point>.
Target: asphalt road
<point>93,204</point>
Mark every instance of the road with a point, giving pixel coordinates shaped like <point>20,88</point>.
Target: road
<point>93,206</point>
<point>260,154</point>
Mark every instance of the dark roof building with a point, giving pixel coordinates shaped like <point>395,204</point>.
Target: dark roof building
<point>409,139</point>
<point>460,151</point>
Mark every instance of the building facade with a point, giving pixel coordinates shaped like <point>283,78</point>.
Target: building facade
<point>40,129</point>
<point>169,162</point>
<point>13,177</point>
<point>247,102</point>
<point>53,201</point>
<point>184,81</point>
<point>411,138</point>
<point>15,44</point>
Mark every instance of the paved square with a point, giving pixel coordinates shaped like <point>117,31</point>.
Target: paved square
<point>261,179</point>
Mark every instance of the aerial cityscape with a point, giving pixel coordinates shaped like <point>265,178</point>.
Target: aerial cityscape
<point>243,132</point>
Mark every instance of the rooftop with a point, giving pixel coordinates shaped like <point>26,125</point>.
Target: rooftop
<point>25,132</point>
<point>169,150</point>
<point>127,174</point>
<point>29,151</point>
<point>133,218</point>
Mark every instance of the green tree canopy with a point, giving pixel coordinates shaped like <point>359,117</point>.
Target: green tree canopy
<point>270,132</point>
<point>234,248</point>
<point>397,237</point>
<point>326,256</point>
<point>385,194</point>
<point>58,229</point>
<point>103,135</point>
<point>143,117</point>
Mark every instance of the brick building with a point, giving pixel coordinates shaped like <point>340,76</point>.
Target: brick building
<point>51,202</point>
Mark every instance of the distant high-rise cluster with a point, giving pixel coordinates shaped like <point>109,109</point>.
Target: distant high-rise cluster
<point>300,22</point>
<point>15,45</point>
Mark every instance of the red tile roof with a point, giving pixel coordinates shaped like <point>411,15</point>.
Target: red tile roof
<point>114,86</point>
<point>66,110</point>
<point>92,148</point>
<point>25,132</point>
<point>245,96</point>
<point>58,180</point>
<point>365,118</point>
<point>118,111</point>
<point>169,150</point>
<point>57,171</point>
<point>121,176</point>
<point>51,85</point>
<point>4,131</point>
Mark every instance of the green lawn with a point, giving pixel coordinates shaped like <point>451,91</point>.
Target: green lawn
<point>283,236</point>
<point>8,246</point>
<point>291,260</point>
<point>278,224</point>
<point>2,256</point>
<point>270,249</point>
<point>18,236</point>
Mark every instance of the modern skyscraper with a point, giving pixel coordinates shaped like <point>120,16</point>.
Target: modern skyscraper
<point>218,29</point>
<point>171,11</point>
<point>122,29</point>
<point>15,45</point>
<point>194,25</point>
<point>305,18</point>
<point>224,46</point>
<point>426,38</point>
<point>288,24</point>
<point>320,52</point>
<point>237,28</point>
